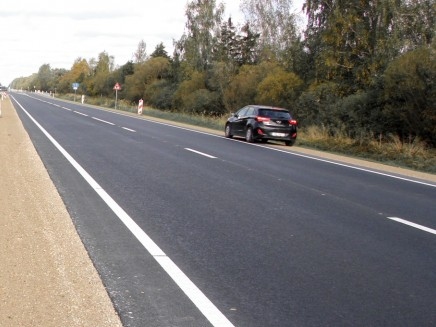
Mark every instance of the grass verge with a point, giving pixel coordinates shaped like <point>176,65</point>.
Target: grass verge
<point>388,149</point>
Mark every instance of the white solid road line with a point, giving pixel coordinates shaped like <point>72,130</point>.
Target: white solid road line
<point>351,166</point>
<point>209,310</point>
<point>409,223</point>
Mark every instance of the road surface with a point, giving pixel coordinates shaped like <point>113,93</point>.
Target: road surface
<point>188,228</point>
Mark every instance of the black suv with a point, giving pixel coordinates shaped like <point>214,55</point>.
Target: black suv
<point>255,122</point>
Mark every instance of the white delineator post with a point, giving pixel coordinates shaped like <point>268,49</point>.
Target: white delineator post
<point>140,106</point>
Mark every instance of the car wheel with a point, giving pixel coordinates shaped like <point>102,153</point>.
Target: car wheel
<point>227,132</point>
<point>290,143</point>
<point>249,135</point>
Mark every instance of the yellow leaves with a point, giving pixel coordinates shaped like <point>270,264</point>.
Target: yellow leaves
<point>278,88</point>
<point>78,73</point>
<point>153,68</point>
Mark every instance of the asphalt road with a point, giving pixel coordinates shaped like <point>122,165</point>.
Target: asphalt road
<point>266,236</point>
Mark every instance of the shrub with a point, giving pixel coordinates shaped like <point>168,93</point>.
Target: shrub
<point>410,94</point>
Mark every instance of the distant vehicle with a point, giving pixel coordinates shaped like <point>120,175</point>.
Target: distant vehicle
<point>262,123</point>
<point>3,88</point>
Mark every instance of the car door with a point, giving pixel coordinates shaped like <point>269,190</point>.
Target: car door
<point>239,122</point>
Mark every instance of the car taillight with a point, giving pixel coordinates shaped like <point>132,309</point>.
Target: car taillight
<point>293,122</point>
<point>261,119</point>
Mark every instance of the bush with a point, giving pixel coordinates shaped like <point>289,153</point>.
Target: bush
<point>160,94</point>
<point>410,94</point>
<point>315,106</point>
<point>279,89</point>
<point>203,102</point>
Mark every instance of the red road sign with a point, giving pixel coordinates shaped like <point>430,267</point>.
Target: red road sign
<point>117,87</point>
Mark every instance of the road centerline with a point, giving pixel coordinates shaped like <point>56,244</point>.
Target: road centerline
<point>200,153</point>
<point>78,112</point>
<point>128,129</point>
<point>103,121</point>
<point>412,224</point>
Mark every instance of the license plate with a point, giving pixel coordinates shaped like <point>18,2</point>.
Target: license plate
<point>279,134</point>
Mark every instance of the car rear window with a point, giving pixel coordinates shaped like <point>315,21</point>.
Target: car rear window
<point>277,114</point>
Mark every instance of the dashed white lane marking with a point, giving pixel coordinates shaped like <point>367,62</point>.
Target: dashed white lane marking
<point>209,310</point>
<point>78,112</point>
<point>295,154</point>
<point>200,153</point>
<point>103,121</point>
<point>409,223</point>
<point>128,129</point>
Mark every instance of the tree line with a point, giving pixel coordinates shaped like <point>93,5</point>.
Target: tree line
<point>358,67</point>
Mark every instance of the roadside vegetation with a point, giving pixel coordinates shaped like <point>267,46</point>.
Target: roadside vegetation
<point>359,77</point>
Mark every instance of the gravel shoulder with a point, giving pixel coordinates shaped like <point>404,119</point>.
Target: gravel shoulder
<point>46,276</point>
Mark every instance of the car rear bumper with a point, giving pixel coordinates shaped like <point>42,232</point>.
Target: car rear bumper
<point>276,134</point>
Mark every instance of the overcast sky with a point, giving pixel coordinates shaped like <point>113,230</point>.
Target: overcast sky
<point>57,32</point>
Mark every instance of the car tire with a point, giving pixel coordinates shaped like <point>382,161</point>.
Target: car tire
<point>227,132</point>
<point>249,135</point>
<point>290,143</point>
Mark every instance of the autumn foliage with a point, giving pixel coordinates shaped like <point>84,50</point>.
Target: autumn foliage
<point>358,67</point>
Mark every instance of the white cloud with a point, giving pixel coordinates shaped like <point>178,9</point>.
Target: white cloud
<point>56,32</point>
